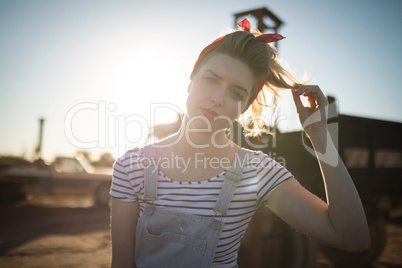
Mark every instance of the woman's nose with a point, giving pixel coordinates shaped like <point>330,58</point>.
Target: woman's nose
<point>218,96</point>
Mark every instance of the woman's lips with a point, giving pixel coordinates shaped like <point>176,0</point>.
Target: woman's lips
<point>208,113</point>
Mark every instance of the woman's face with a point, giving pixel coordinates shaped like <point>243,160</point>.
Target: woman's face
<point>219,92</point>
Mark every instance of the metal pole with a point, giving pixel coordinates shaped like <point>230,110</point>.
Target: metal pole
<point>38,148</point>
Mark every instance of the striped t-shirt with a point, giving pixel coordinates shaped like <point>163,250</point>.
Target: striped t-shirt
<point>261,175</point>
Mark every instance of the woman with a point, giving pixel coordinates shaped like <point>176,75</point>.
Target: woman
<point>186,201</point>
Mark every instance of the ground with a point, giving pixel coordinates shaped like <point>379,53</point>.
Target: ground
<point>59,231</point>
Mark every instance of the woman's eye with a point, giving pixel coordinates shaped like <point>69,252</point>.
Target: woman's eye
<point>237,95</point>
<point>211,80</point>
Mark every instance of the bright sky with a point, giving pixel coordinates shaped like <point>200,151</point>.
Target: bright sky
<point>92,69</point>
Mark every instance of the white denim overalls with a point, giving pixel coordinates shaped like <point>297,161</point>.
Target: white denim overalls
<point>173,239</point>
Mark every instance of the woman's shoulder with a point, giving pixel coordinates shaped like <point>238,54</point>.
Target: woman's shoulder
<point>260,159</point>
<point>254,154</point>
<point>131,158</point>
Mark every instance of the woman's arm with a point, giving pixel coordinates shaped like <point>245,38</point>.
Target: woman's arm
<point>123,227</point>
<point>340,222</point>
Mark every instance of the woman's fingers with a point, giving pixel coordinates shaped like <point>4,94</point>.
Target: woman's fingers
<point>312,100</point>
<point>297,100</point>
<point>321,99</point>
<point>312,118</point>
<point>317,96</point>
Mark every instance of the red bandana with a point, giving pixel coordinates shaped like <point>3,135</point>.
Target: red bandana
<point>245,25</point>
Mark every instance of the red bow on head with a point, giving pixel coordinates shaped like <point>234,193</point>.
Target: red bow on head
<point>245,25</point>
<point>268,38</point>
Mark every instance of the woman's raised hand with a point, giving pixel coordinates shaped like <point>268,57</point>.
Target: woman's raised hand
<point>314,117</point>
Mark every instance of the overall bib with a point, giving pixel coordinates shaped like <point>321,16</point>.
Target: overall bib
<point>173,239</point>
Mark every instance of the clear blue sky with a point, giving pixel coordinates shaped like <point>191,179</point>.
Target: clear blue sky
<point>92,68</point>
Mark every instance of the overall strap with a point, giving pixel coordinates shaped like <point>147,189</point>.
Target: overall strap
<point>151,173</point>
<point>233,177</point>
